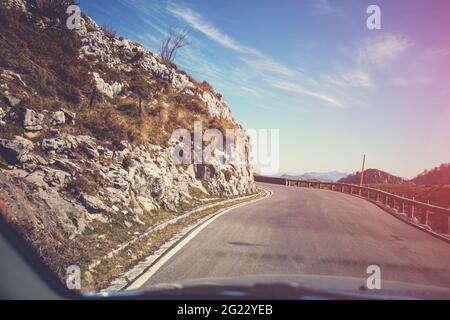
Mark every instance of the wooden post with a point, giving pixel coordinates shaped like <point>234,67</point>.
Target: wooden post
<point>361,181</point>
<point>412,210</point>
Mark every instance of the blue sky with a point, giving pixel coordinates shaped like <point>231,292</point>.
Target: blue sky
<point>312,69</point>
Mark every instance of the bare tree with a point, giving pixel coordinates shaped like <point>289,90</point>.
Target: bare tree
<point>175,40</point>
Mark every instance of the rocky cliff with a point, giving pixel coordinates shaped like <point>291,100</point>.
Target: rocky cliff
<point>85,126</point>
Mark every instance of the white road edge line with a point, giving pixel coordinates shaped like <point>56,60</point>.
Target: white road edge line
<point>141,280</point>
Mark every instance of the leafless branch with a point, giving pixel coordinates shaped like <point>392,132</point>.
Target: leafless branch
<point>174,41</point>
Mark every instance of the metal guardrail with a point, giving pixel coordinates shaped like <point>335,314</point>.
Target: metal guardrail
<point>433,217</point>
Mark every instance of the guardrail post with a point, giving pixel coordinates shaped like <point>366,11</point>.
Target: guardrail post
<point>378,196</point>
<point>427,217</point>
<point>412,209</point>
<point>448,225</point>
<point>402,207</point>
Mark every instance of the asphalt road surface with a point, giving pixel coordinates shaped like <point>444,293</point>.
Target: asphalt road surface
<point>312,232</point>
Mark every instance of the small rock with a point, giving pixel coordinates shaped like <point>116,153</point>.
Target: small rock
<point>31,134</point>
<point>32,120</point>
<point>124,144</point>
<point>58,118</point>
<point>2,113</point>
<point>128,224</point>
<point>40,160</point>
<point>88,278</point>
<point>116,209</point>
<point>70,116</point>
<point>93,204</point>
<point>51,145</point>
<point>12,101</point>
<point>16,151</point>
<point>67,166</point>
<point>89,146</point>
<point>56,178</point>
<point>54,132</point>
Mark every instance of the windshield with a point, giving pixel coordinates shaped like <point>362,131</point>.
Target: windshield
<point>153,143</point>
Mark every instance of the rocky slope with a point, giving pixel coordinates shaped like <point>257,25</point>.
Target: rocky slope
<point>85,126</point>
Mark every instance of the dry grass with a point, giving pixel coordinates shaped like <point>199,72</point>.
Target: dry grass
<point>83,184</point>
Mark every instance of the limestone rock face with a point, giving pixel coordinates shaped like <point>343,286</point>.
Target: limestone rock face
<point>63,178</point>
<point>149,181</point>
<point>96,44</point>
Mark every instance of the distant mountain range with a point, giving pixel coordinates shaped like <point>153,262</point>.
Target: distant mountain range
<point>373,176</point>
<point>332,176</point>
<point>437,175</point>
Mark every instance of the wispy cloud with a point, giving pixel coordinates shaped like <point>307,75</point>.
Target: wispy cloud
<point>252,57</point>
<point>324,7</point>
<point>383,49</point>
<point>350,78</point>
<point>296,88</point>
<point>274,73</point>
<point>196,22</point>
<point>259,62</point>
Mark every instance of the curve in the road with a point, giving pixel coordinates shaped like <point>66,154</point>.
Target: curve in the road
<point>313,232</point>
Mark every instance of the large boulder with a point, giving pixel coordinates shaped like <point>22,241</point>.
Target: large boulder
<point>32,121</point>
<point>16,151</point>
